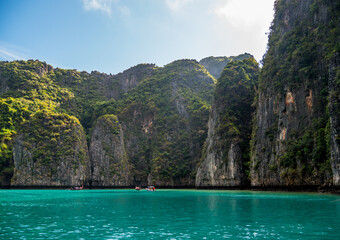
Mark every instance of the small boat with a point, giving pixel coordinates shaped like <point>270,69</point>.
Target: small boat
<point>150,188</point>
<point>77,188</point>
<point>137,188</point>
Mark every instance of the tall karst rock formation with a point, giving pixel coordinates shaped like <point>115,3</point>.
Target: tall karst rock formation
<point>109,163</point>
<point>225,154</point>
<point>296,131</point>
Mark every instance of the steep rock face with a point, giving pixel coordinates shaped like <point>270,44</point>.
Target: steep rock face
<point>164,124</point>
<point>215,65</point>
<point>224,156</point>
<point>13,111</point>
<point>137,122</point>
<point>102,86</point>
<point>51,150</point>
<point>130,78</point>
<point>95,87</point>
<point>3,83</point>
<point>109,163</point>
<point>214,170</point>
<point>334,112</point>
<point>290,143</point>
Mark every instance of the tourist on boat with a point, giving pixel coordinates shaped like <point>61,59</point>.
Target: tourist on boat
<point>150,188</point>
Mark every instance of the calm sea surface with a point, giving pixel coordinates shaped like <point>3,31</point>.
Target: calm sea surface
<point>167,214</point>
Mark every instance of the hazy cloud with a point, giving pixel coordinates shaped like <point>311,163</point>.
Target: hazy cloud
<point>124,10</point>
<point>176,5</point>
<point>10,52</point>
<point>244,23</point>
<point>246,13</point>
<point>98,5</point>
<point>106,7</point>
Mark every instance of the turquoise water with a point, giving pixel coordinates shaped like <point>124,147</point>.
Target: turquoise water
<point>167,214</point>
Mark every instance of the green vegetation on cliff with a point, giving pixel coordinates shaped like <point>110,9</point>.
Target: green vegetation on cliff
<point>298,44</point>
<point>292,133</point>
<point>162,111</point>
<point>30,105</point>
<point>168,114</point>
<point>234,98</point>
<point>50,150</point>
<point>215,65</point>
<point>50,135</point>
<point>225,156</point>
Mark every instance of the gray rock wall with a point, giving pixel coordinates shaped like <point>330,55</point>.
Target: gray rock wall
<point>214,170</point>
<point>109,164</point>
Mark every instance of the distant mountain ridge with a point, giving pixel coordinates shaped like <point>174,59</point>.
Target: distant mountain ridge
<point>145,125</point>
<point>215,65</point>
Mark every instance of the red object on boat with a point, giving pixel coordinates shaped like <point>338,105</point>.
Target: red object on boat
<point>150,188</point>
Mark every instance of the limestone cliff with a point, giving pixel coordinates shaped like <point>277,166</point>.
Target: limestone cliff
<point>95,87</point>
<point>50,150</point>
<point>291,135</point>
<point>164,124</point>
<point>101,86</point>
<point>109,164</point>
<point>131,77</point>
<point>334,112</point>
<point>162,112</point>
<point>224,157</point>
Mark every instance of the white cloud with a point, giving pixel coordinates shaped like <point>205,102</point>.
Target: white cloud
<point>10,52</point>
<point>243,24</point>
<point>106,7</point>
<point>100,5</point>
<point>8,56</point>
<point>177,5</point>
<point>246,13</point>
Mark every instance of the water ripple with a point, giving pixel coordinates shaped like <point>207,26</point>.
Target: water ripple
<point>167,215</point>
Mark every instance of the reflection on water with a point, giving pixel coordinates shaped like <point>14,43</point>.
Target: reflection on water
<point>167,214</point>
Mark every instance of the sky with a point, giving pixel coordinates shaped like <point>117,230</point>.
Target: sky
<point>113,35</point>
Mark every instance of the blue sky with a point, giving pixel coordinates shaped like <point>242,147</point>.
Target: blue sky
<point>113,35</point>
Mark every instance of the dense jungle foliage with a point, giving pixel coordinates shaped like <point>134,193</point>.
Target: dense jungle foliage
<point>164,112</point>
